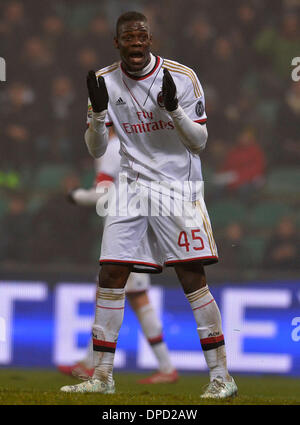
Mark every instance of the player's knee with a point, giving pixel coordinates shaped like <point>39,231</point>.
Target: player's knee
<point>113,276</point>
<point>191,276</point>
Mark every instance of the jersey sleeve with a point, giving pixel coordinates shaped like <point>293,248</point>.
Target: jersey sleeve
<point>108,121</point>
<point>192,99</point>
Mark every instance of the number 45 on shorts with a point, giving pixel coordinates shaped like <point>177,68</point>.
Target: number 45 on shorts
<point>196,240</point>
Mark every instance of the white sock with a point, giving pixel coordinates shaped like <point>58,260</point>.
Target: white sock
<point>108,320</point>
<point>209,328</point>
<point>88,360</point>
<point>152,329</point>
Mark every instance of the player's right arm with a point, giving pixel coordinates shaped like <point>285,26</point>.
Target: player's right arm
<point>96,136</point>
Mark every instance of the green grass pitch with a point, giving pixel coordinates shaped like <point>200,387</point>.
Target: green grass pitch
<point>41,387</point>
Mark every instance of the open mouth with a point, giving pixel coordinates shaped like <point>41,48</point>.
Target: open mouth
<point>136,59</point>
<point>136,55</point>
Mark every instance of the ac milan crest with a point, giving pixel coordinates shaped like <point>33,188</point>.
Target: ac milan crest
<point>160,100</point>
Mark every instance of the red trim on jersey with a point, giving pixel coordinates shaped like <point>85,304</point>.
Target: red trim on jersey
<point>191,259</point>
<point>212,340</point>
<point>203,121</point>
<point>131,262</point>
<point>158,60</point>
<point>108,124</point>
<point>102,177</point>
<point>101,343</point>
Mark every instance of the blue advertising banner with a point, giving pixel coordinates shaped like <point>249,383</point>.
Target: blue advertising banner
<point>43,326</point>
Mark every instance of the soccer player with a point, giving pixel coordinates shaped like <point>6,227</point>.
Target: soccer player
<point>137,286</point>
<point>157,108</point>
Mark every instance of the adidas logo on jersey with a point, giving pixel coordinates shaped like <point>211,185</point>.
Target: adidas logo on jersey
<point>120,101</point>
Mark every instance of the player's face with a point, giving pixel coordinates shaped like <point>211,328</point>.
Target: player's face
<point>134,42</point>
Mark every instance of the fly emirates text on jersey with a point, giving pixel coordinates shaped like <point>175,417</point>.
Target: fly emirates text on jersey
<point>146,127</point>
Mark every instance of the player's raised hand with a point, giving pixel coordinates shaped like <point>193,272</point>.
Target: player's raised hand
<point>97,92</point>
<point>169,91</point>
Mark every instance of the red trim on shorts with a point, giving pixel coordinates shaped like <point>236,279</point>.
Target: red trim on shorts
<point>213,257</point>
<point>131,262</point>
<point>203,121</point>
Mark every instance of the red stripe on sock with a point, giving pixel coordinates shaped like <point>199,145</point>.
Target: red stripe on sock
<point>212,340</point>
<point>155,340</point>
<point>101,343</point>
<point>204,304</point>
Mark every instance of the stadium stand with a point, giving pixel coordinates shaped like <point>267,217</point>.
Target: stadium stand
<point>224,212</point>
<point>49,177</point>
<point>266,215</point>
<point>284,183</point>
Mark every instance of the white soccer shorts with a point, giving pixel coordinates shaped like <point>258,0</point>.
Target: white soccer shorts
<point>162,231</point>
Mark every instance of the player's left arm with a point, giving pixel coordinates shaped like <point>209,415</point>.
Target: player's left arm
<point>192,131</point>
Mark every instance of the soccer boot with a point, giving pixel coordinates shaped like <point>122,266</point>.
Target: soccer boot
<point>90,386</point>
<point>220,389</point>
<point>160,378</point>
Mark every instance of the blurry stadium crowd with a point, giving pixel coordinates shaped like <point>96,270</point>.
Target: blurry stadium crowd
<point>242,53</point>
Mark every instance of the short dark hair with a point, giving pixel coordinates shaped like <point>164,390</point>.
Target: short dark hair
<point>129,17</point>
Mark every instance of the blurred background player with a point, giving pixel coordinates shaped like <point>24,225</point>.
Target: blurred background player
<point>107,169</point>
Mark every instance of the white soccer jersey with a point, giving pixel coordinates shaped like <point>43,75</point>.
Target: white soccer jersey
<point>150,147</point>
